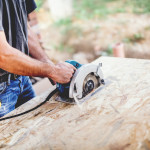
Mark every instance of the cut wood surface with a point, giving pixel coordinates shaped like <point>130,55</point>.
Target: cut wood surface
<point>116,118</point>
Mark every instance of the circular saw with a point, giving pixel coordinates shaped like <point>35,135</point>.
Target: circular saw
<point>86,80</point>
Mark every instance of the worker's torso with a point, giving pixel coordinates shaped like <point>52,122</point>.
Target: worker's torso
<point>14,22</point>
<point>14,19</point>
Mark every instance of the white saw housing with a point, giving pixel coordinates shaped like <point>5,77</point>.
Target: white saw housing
<point>76,85</point>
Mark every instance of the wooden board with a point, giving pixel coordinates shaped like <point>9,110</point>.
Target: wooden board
<point>117,118</point>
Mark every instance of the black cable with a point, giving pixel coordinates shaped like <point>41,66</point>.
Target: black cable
<point>28,111</point>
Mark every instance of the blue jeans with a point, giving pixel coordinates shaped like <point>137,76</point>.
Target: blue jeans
<point>17,93</point>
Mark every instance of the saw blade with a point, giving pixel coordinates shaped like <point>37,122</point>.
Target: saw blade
<point>91,83</point>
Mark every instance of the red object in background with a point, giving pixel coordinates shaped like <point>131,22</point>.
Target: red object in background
<point>118,50</point>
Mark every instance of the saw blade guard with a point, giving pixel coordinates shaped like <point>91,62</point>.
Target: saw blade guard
<point>78,80</point>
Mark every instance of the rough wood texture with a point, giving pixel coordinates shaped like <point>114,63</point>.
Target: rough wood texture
<point>117,118</point>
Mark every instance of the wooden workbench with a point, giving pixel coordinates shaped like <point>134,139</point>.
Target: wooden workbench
<point>116,118</point>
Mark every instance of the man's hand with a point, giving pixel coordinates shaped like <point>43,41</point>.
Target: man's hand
<point>63,72</point>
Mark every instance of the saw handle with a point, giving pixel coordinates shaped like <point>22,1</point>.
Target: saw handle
<point>64,88</point>
<point>74,63</point>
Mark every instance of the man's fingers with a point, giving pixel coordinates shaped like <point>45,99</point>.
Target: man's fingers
<point>74,67</point>
<point>70,66</point>
<point>72,70</point>
<point>65,72</point>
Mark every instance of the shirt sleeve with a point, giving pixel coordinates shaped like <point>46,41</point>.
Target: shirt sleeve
<point>1,13</point>
<point>30,5</point>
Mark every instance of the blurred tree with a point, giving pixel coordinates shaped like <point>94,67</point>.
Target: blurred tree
<point>39,4</point>
<point>61,8</point>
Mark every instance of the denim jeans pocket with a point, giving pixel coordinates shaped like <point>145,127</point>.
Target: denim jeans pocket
<point>3,87</point>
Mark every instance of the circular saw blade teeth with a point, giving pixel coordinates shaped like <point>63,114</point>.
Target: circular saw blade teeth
<point>92,82</point>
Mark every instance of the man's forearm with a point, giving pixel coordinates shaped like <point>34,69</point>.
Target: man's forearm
<point>35,48</point>
<point>14,61</point>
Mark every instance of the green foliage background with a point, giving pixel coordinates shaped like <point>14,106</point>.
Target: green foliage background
<point>39,3</point>
<point>98,9</point>
<point>86,9</point>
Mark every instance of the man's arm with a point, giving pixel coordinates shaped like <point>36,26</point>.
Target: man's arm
<point>14,61</point>
<point>35,48</point>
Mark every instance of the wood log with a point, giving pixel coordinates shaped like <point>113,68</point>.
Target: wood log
<point>116,118</point>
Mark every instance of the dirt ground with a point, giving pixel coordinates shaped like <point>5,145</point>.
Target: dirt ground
<point>85,40</point>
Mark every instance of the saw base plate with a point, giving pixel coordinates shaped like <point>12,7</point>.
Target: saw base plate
<point>72,101</point>
<point>65,100</point>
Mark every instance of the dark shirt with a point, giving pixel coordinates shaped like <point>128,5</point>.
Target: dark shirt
<point>13,21</point>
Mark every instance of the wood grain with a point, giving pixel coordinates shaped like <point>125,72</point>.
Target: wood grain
<point>116,118</point>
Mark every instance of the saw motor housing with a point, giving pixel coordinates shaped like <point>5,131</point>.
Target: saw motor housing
<point>85,79</point>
